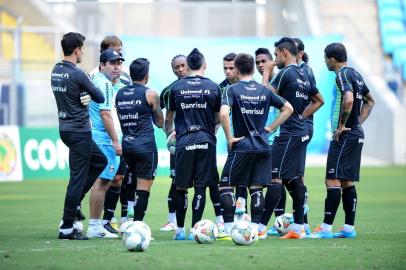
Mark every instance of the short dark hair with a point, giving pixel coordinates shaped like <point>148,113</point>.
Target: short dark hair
<point>288,44</point>
<point>70,41</point>
<point>195,59</point>
<point>263,51</point>
<point>230,57</point>
<point>176,57</point>
<point>110,41</point>
<point>336,51</point>
<point>244,63</point>
<point>139,68</point>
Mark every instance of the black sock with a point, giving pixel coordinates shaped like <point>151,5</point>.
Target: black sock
<point>215,199</point>
<point>350,204</point>
<point>198,203</point>
<point>227,201</point>
<point>181,207</point>
<point>142,204</point>
<point>110,202</point>
<point>241,192</point>
<point>298,196</point>
<point>171,200</point>
<point>123,198</point>
<point>306,202</point>
<point>280,207</point>
<point>331,204</point>
<point>257,204</point>
<point>272,197</point>
<point>131,187</point>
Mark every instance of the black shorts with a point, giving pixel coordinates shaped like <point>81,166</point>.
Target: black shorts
<point>289,156</point>
<point>172,166</point>
<point>196,166</point>
<point>344,159</point>
<point>247,169</point>
<point>142,165</point>
<point>122,168</point>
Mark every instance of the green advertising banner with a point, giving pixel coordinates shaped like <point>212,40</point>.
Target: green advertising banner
<point>45,156</point>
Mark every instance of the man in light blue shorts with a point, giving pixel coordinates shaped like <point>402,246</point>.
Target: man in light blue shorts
<point>105,136</point>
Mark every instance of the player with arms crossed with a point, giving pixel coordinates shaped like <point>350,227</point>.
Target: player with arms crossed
<point>138,109</point>
<point>195,100</point>
<point>249,160</point>
<point>352,107</point>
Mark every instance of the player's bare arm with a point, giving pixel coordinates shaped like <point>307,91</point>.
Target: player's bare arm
<point>153,100</point>
<point>316,102</point>
<point>109,126</point>
<point>170,115</point>
<point>225,123</point>
<point>284,114</point>
<point>346,107</point>
<point>367,105</point>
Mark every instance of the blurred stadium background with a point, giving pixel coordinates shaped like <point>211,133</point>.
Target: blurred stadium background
<point>374,33</point>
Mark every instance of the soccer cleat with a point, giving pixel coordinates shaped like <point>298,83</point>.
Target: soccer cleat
<point>262,234</point>
<point>220,227</point>
<point>180,236</point>
<point>191,236</point>
<point>168,227</point>
<point>272,231</point>
<point>307,231</point>
<point>344,234</point>
<point>74,235</point>
<point>239,207</point>
<point>99,232</point>
<point>318,233</point>
<point>111,227</point>
<point>224,236</point>
<point>294,235</point>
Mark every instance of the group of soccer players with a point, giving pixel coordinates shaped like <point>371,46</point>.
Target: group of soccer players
<point>267,125</point>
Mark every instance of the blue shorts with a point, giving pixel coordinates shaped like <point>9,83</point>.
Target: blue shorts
<point>113,162</point>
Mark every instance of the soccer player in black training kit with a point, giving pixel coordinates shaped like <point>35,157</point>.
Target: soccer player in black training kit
<point>265,66</point>
<point>181,70</point>
<point>289,147</point>
<point>249,159</point>
<point>138,109</point>
<point>353,106</point>
<point>73,91</point>
<point>194,101</point>
<point>231,77</point>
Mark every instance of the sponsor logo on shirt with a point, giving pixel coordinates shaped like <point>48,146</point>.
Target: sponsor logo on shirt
<point>128,116</point>
<point>59,89</point>
<point>301,95</point>
<point>197,146</point>
<point>252,111</point>
<point>254,98</point>
<point>195,105</point>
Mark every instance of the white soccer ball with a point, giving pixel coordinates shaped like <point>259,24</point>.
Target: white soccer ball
<point>243,233</point>
<point>205,232</point>
<point>125,226</point>
<point>171,143</point>
<point>243,217</point>
<point>137,236</point>
<point>283,223</point>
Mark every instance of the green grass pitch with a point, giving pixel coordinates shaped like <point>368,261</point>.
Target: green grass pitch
<point>30,212</point>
